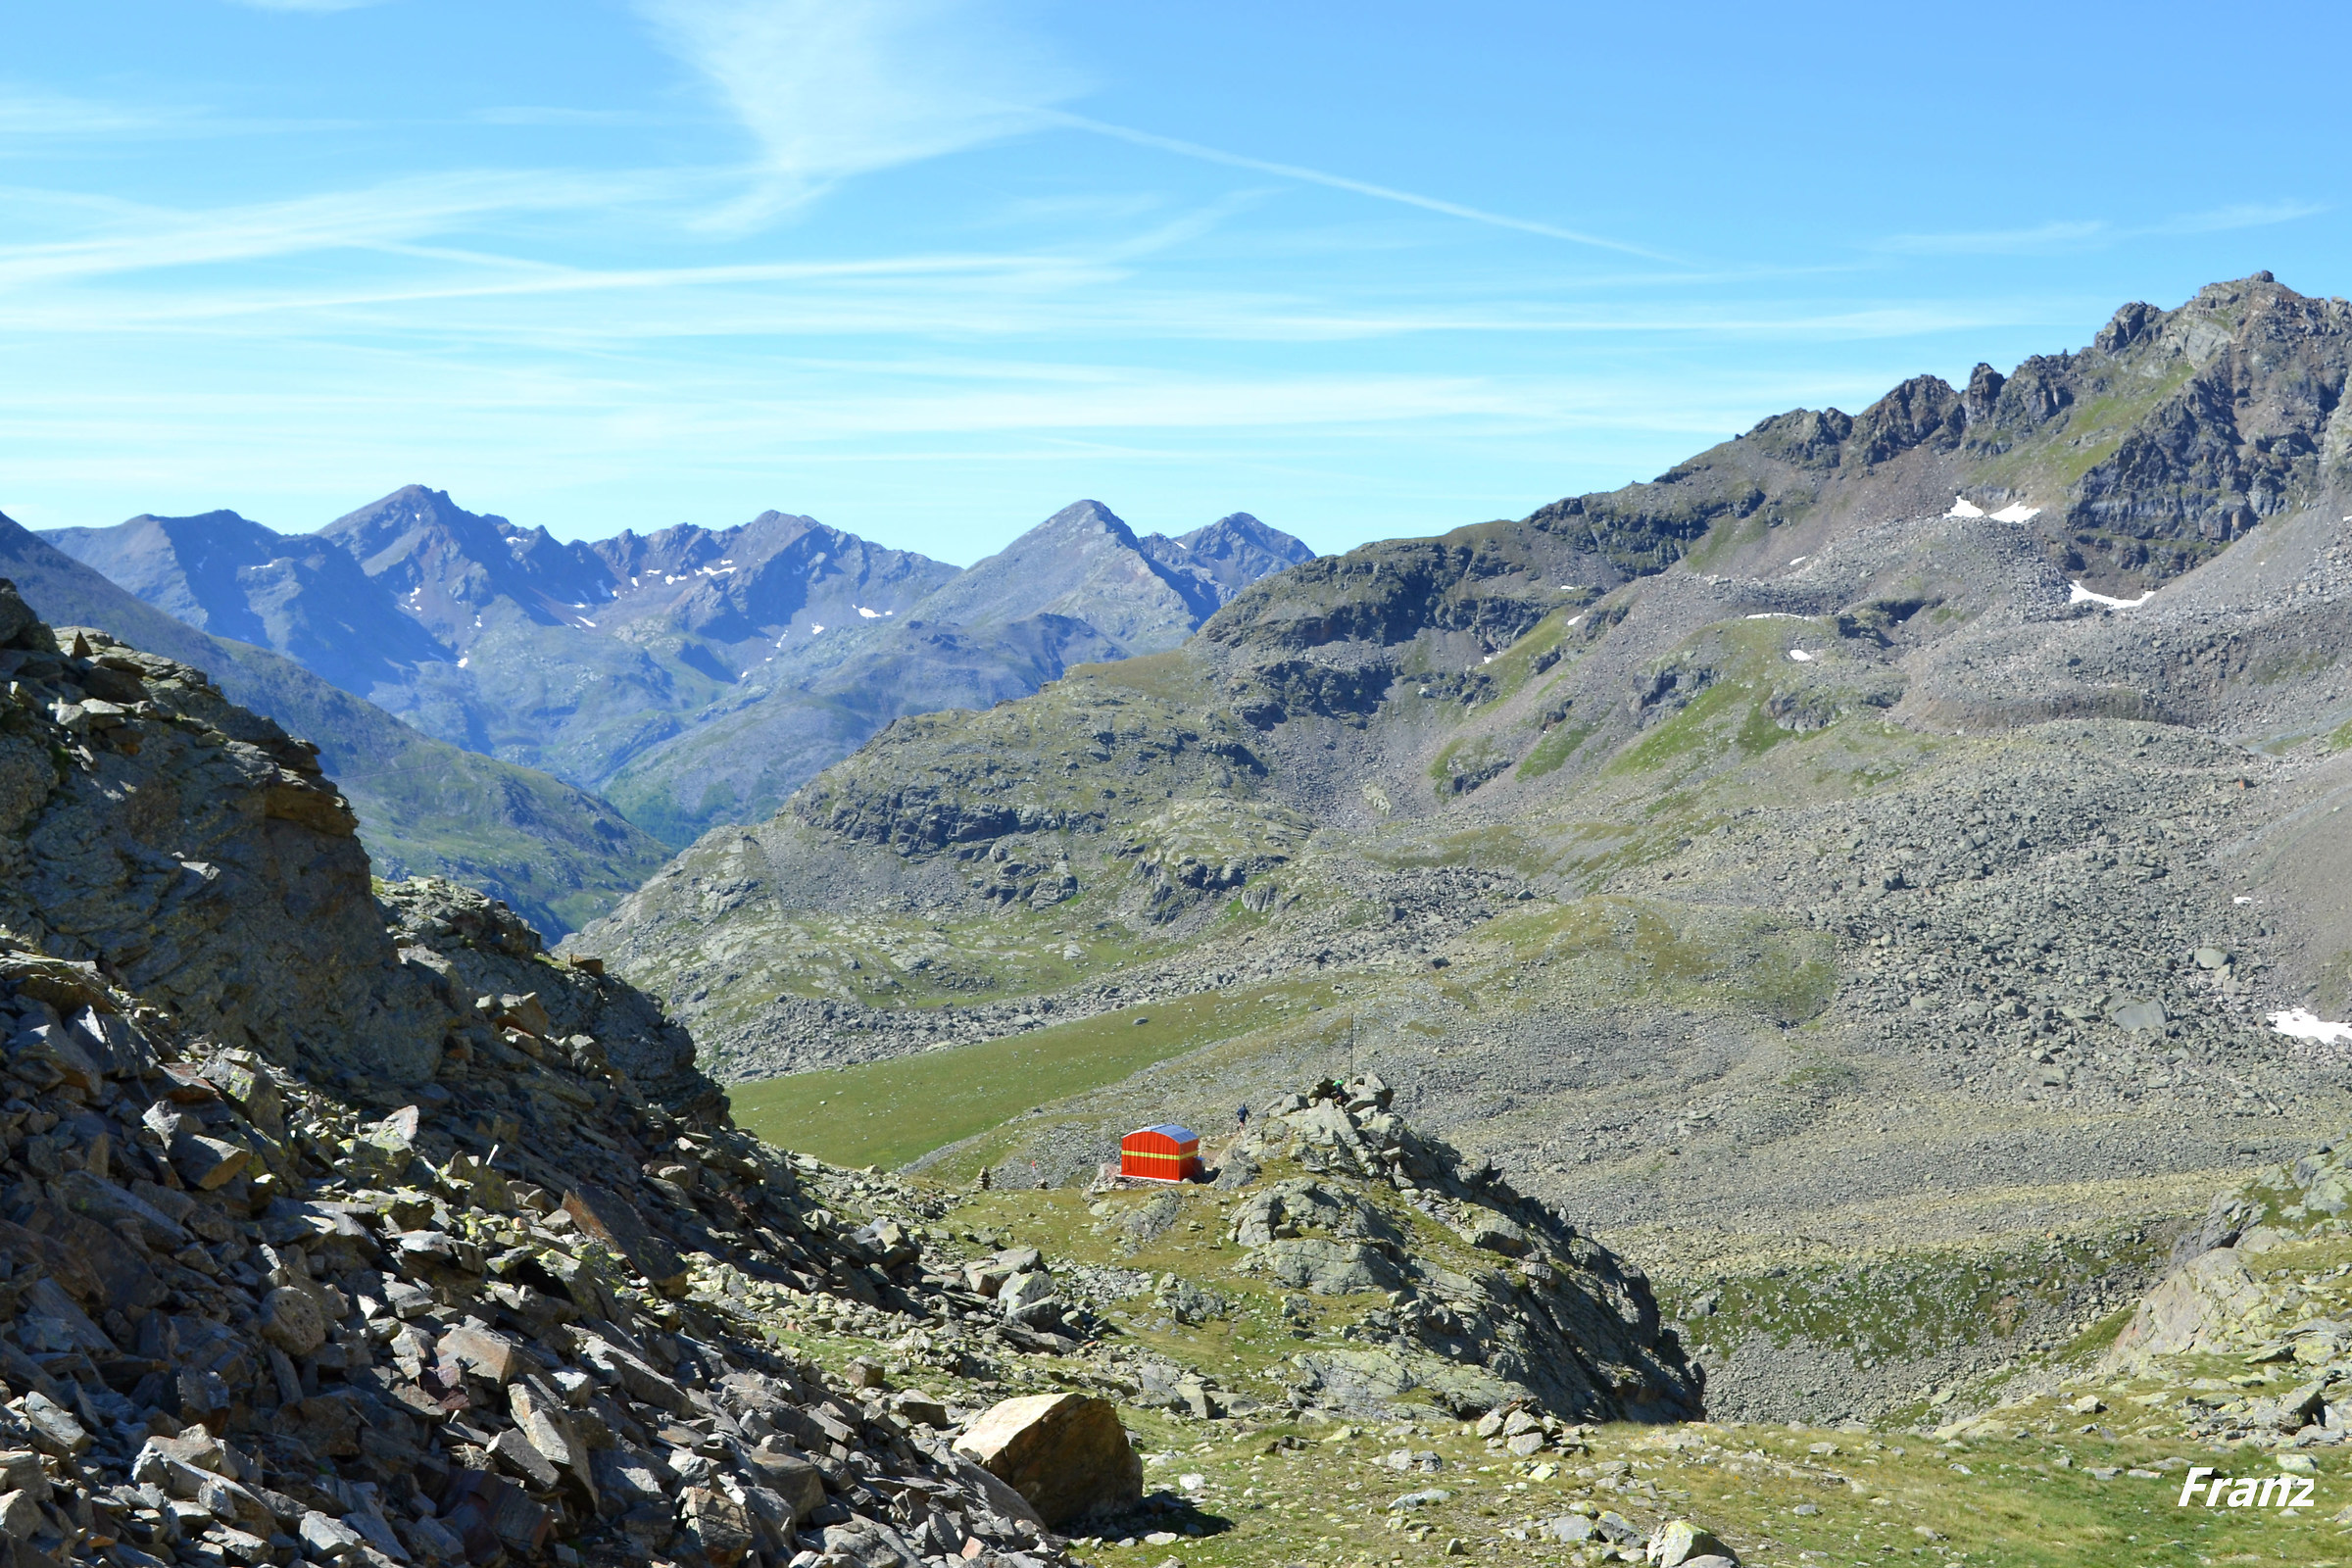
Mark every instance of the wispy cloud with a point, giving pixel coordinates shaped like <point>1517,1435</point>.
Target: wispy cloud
<point>27,112</point>
<point>315,6</point>
<point>2244,214</point>
<point>558,114</point>
<point>136,238</point>
<point>159,263</point>
<point>31,119</point>
<point>1359,187</point>
<point>832,91</point>
<point>2039,240</point>
<point>2053,238</point>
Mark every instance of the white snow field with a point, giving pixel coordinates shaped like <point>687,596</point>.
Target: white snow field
<point>2304,1024</point>
<point>2083,596</point>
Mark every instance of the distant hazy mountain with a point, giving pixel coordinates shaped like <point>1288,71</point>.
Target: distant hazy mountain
<point>301,595</point>
<point>1078,588</point>
<point>1230,554</point>
<point>554,852</point>
<point>696,675</point>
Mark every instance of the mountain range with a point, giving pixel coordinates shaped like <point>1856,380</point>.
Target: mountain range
<point>425,807</point>
<point>1879,843</point>
<point>694,676</point>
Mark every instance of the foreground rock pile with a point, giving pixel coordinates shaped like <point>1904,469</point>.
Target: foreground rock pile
<point>2249,1340</point>
<point>1494,1298</point>
<point>352,1232</point>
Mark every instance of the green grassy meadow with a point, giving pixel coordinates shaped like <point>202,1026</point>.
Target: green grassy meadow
<point>890,1111</point>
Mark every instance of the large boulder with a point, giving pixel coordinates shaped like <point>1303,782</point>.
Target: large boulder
<point>2192,1310</point>
<point>1066,1454</point>
<point>1680,1544</point>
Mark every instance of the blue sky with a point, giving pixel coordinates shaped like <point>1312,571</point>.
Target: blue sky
<point>929,270</point>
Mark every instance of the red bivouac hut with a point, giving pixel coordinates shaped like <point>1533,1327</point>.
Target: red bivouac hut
<point>1163,1153</point>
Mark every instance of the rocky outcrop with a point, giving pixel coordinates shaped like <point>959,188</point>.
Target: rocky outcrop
<point>1494,1298</point>
<point>481,949</point>
<point>365,1232</point>
<point>2194,1310</point>
<point>2240,440</point>
<point>1481,581</point>
<point>2258,1282</point>
<point>196,853</point>
<point>1680,1544</point>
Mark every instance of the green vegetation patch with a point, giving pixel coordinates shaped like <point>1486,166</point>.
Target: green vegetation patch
<point>1910,1303</point>
<point>1681,951</point>
<point>1743,670</point>
<point>1467,761</point>
<point>1545,645</point>
<point>1168,676</point>
<point>1727,534</point>
<point>889,1112</point>
<point>1688,732</point>
<point>1553,750</point>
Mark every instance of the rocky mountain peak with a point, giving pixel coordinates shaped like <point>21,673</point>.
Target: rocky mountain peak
<point>1238,550</point>
<point>298,592</point>
<point>1082,563</point>
<point>1084,516</point>
<point>1210,565</point>
<point>445,565</point>
<point>412,521</point>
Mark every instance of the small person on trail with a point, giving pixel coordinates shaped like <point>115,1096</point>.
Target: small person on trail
<point>1241,1119</point>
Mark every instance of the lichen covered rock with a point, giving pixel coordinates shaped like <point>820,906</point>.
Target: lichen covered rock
<point>1494,1297</point>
